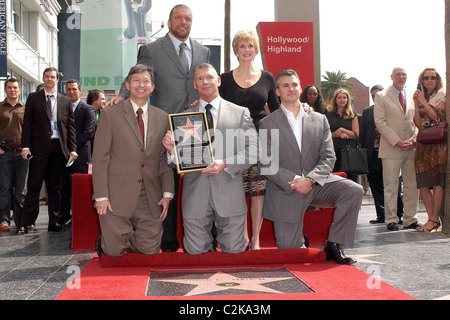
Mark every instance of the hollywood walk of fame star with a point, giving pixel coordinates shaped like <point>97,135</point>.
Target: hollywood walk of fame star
<point>190,130</point>
<point>220,281</point>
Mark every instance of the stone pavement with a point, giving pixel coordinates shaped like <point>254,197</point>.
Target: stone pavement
<point>37,266</point>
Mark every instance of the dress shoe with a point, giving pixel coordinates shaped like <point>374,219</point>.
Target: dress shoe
<point>393,226</point>
<point>334,252</point>
<point>98,246</point>
<point>377,220</point>
<point>21,230</point>
<point>306,243</point>
<point>414,225</point>
<point>56,227</point>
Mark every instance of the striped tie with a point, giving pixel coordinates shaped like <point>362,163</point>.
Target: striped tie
<point>402,102</point>
<point>140,123</point>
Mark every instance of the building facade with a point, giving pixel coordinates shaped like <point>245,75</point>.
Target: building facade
<point>31,44</point>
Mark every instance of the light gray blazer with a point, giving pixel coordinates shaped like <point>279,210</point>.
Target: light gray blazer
<point>174,88</point>
<point>316,160</point>
<point>226,188</point>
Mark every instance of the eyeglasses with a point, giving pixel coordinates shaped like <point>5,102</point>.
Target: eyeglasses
<point>429,78</point>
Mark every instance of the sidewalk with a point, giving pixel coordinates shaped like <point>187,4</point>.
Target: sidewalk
<point>37,266</point>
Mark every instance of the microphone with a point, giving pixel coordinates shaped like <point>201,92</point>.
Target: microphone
<point>162,27</point>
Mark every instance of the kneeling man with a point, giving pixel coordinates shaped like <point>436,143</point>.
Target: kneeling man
<point>297,157</point>
<point>132,183</point>
<point>215,196</point>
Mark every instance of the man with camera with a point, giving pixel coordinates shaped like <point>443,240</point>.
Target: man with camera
<point>13,169</point>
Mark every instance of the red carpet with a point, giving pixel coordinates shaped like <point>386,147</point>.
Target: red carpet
<point>137,277</point>
<point>326,280</point>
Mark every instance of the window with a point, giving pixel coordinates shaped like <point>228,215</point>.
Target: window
<point>21,20</point>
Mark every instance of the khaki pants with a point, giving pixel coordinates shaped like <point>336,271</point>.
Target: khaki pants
<point>391,172</point>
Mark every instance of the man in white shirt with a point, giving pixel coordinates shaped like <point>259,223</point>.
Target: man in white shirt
<point>132,183</point>
<point>299,173</point>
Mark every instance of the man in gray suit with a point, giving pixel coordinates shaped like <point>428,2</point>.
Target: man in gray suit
<point>215,196</point>
<point>299,173</point>
<point>174,58</point>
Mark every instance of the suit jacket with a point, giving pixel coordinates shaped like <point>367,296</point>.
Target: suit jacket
<point>120,161</point>
<point>85,129</point>
<point>281,160</point>
<point>36,129</point>
<point>367,130</point>
<point>393,124</point>
<point>226,189</point>
<point>174,88</point>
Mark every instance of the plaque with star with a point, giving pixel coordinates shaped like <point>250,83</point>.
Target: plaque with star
<point>192,142</point>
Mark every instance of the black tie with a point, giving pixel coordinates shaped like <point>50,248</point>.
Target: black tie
<point>210,120</point>
<point>209,116</point>
<point>49,105</point>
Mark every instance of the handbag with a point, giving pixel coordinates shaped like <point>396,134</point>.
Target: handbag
<point>354,159</point>
<point>432,132</point>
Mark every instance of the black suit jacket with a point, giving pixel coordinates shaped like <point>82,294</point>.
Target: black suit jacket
<point>367,130</point>
<point>36,129</point>
<point>85,128</point>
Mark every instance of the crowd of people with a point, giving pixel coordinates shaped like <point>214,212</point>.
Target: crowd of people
<point>135,180</point>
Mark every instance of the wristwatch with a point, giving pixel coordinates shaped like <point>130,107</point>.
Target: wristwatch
<point>313,182</point>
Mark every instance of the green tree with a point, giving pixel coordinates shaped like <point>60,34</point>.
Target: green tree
<point>333,81</point>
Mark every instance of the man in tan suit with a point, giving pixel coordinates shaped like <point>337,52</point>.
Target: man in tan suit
<point>394,120</point>
<point>132,183</point>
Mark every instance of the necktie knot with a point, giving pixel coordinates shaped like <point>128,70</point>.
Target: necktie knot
<point>139,111</point>
<point>208,107</point>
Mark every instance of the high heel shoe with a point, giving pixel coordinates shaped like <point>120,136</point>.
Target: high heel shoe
<point>422,229</point>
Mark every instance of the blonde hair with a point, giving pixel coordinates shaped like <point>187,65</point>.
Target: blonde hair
<point>348,110</point>
<point>246,35</point>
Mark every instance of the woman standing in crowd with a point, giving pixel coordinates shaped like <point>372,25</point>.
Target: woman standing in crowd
<point>430,159</point>
<point>311,95</point>
<point>253,88</point>
<point>344,126</point>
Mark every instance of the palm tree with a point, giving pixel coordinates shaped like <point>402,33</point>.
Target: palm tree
<point>446,219</point>
<point>335,81</point>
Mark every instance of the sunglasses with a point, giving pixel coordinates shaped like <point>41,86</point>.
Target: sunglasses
<point>429,78</point>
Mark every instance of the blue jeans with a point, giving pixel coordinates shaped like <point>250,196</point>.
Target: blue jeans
<point>13,172</point>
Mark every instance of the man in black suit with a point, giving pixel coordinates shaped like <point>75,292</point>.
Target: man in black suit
<point>48,140</point>
<point>84,128</point>
<point>370,139</point>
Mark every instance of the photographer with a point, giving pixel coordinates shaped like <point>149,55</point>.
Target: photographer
<point>13,169</point>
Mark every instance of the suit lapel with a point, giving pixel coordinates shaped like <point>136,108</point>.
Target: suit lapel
<point>131,119</point>
<point>151,129</point>
<point>172,53</point>
<point>394,97</point>
<point>307,125</point>
<point>283,125</point>
<point>44,103</point>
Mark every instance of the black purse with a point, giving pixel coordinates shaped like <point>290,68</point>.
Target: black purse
<point>354,159</point>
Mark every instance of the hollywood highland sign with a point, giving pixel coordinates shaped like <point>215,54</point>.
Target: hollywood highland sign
<point>288,45</point>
